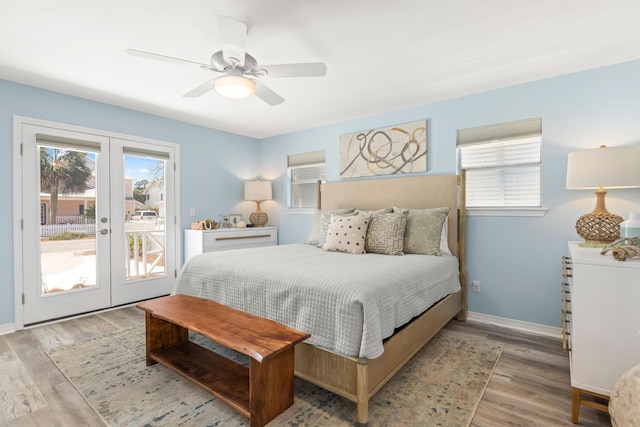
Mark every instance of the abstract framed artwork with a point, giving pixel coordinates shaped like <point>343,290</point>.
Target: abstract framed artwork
<point>392,150</point>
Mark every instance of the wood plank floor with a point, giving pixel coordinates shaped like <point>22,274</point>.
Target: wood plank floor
<point>530,386</point>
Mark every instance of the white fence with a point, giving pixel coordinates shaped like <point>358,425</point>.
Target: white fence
<point>74,219</point>
<point>53,229</point>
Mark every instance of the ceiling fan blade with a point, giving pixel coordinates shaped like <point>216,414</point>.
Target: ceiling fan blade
<point>267,95</point>
<point>200,90</point>
<point>158,57</point>
<point>311,69</point>
<point>234,39</point>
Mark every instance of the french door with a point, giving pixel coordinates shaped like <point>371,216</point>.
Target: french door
<point>83,247</point>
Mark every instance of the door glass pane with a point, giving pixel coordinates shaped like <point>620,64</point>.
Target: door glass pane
<point>144,216</point>
<point>68,257</point>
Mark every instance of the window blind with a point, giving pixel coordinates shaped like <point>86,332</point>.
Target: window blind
<point>304,171</point>
<point>503,164</point>
<point>67,144</point>
<point>147,154</point>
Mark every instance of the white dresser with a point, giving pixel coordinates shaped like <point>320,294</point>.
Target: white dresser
<point>602,320</point>
<point>200,241</point>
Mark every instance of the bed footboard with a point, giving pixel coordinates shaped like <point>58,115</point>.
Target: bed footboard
<point>358,379</point>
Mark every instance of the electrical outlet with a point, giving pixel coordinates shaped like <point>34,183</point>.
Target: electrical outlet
<point>475,285</point>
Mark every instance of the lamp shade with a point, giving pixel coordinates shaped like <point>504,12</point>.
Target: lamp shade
<point>257,190</point>
<point>235,87</point>
<point>606,167</point>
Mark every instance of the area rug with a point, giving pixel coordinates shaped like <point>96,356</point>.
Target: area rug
<point>441,386</point>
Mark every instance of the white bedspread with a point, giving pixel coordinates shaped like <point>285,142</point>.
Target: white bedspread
<point>348,303</point>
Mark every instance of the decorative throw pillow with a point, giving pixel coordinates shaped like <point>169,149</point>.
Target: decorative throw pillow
<point>325,220</point>
<point>319,224</point>
<point>347,234</point>
<point>373,213</point>
<point>423,230</point>
<point>386,234</point>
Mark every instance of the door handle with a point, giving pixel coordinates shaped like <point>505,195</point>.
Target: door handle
<point>104,231</point>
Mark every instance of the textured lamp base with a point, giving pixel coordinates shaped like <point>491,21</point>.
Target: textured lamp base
<point>600,227</point>
<point>260,218</point>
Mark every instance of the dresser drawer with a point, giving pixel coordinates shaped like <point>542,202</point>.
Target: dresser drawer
<point>220,241</point>
<point>197,242</point>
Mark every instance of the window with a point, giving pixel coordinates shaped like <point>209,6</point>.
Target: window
<point>503,164</point>
<point>304,170</point>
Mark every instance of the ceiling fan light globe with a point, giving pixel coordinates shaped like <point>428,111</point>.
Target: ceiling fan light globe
<point>234,87</point>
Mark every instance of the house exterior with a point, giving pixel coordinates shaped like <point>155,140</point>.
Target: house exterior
<point>155,196</point>
<point>71,207</point>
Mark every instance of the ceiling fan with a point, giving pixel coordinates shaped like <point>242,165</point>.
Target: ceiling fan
<point>240,71</point>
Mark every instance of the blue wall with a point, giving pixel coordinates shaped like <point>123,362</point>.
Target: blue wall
<point>517,259</point>
<point>214,164</point>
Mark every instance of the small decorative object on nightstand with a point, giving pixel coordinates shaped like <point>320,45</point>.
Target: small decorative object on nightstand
<point>600,168</point>
<point>631,227</point>
<point>257,191</point>
<point>234,219</point>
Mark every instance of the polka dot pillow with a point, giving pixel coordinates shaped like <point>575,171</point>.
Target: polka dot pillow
<point>347,234</point>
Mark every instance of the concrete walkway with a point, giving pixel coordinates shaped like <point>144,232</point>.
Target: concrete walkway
<point>67,263</point>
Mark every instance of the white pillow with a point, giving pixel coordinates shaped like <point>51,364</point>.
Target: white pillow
<point>444,238</point>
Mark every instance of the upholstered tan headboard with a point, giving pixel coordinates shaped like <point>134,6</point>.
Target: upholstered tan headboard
<point>418,192</point>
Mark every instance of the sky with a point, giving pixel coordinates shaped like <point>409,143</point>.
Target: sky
<point>139,168</point>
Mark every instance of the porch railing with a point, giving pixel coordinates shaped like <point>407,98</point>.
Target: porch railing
<point>146,252</point>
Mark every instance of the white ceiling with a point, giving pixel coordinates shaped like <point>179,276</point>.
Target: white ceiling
<point>381,55</point>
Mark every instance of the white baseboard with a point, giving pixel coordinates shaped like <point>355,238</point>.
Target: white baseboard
<point>518,325</point>
<point>7,329</point>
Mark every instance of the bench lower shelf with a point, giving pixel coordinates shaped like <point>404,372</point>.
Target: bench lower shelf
<point>223,378</point>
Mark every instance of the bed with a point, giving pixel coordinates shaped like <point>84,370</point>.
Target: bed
<point>365,326</point>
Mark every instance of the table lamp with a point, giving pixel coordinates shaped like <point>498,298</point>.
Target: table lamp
<point>257,191</point>
<point>600,168</point>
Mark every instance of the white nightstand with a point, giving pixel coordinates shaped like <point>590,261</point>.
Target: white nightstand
<point>200,241</point>
<point>602,320</point>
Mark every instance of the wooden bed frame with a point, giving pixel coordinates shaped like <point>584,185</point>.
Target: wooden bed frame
<point>358,379</point>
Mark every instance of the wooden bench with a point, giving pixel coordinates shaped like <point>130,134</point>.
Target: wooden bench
<point>260,392</point>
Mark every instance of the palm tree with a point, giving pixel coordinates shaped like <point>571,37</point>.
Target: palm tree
<point>61,172</point>
<point>90,212</point>
<point>138,191</point>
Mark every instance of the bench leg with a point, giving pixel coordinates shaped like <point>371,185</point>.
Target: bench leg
<point>160,334</point>
<point>270,387</point>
